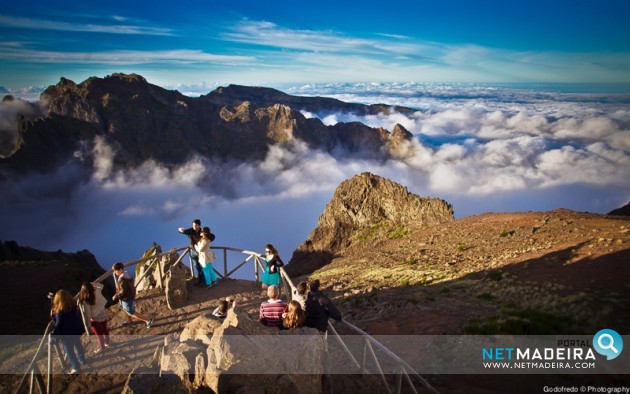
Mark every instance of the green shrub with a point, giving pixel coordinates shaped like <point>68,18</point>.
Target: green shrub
<point>398,232</point>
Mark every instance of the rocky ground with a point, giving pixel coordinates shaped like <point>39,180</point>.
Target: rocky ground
<point>533,272</point>
<point>134,345</point>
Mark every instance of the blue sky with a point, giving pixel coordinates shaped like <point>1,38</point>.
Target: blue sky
<point>278,42</point>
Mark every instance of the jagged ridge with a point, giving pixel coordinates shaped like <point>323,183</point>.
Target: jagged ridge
<point>358,203</point>
<point>143,121</point>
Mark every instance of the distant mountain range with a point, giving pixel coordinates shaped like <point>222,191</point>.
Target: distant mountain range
<point>142,121</point>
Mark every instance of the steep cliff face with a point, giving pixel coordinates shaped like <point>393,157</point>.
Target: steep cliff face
<point>362,202</point>
<point>143,121</point>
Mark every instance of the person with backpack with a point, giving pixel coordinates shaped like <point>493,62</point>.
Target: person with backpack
<point>92,305</point>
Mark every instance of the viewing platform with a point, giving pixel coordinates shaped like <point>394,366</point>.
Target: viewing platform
<point>142,350</point>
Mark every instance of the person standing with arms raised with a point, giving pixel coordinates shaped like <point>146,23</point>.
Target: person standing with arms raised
<point>194,234</point>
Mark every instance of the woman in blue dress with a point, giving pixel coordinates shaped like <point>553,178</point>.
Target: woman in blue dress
<point>271,276</point>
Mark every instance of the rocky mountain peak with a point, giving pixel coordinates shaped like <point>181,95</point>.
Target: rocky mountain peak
<point>399,132</point>
<point>359,203</point>
<point>146,122</point>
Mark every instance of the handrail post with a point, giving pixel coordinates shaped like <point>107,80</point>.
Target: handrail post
<point>256,269</point>
<point>409,380</point>
<point>160,274</point>
<point>60,355</point>
<point>363,370</point>
<point>399,381</point>
<point>190,261</point>
<point>225,264</point>
<point>49,376</point>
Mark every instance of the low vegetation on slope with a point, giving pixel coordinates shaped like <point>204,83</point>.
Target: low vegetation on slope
<point>519,273</point>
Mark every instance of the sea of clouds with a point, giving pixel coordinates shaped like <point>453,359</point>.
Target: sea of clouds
<point>480,147</point>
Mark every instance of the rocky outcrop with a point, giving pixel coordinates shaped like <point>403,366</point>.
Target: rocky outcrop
<point>623,211</point>
<point>141,122</point>
<point>180,358</point>
<point>15,115</point>
<point>358,203</point>
<point>243,355</point>
<point>176,289</point>
<point>200,329</point>
<point>146,380</point>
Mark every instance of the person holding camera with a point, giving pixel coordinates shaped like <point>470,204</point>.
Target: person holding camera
<point>68,326</point>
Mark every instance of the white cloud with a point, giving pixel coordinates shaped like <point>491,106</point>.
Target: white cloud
<point>42,24</point>
<point>10,111</point>
<point>121,57</point>
<point>485,149</point>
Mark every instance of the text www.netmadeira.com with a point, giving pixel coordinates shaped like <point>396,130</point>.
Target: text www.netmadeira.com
<point>539,365</point>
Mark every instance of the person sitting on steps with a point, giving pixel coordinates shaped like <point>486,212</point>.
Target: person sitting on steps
<point>271,310</point>
<point>294,318</point>
<point>319,308</point>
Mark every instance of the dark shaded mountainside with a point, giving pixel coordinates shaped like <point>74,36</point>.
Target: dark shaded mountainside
<point>29,274</point>
<point>143,121</point>
<point>622,211</point>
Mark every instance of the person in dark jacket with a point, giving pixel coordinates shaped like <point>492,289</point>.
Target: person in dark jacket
<point>271,275</point>
<point>126,293</point>
<point>194,235</point>
<point>319,308</point>
<point>68,325</point>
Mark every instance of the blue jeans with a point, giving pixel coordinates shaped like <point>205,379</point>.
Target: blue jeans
<point>195,258</point>
<point>70,344</point>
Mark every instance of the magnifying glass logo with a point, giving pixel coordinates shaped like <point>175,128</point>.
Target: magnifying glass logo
<point>611,342</point>
<point>608,343</point>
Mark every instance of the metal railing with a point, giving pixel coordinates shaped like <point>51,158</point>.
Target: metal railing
<point>32,371</point>
<point>404,369</point>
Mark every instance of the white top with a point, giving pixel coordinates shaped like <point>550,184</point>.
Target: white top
<point>205,255</point>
